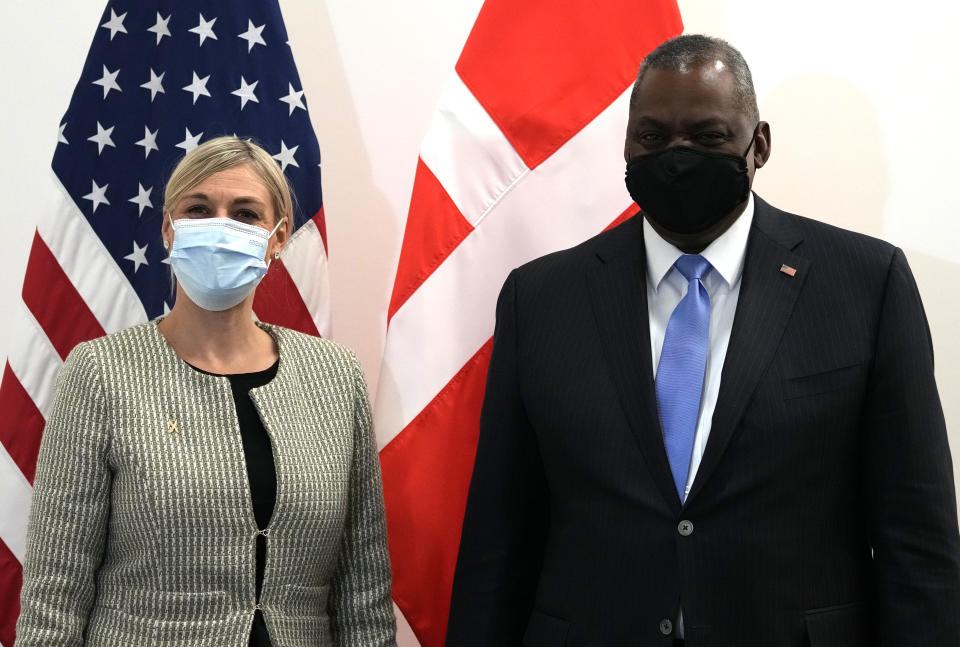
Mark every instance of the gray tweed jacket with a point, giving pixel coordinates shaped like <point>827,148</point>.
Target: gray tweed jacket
<point>142,531</point>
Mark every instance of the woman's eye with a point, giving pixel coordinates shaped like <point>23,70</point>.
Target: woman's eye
<point>197,209</point>
<point>244,214</point>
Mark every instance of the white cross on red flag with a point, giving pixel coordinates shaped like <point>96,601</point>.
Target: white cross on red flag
<point>524,157</point>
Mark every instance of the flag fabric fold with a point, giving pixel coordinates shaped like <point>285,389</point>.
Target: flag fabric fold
<point>524,157</point>
<point>160,78</point>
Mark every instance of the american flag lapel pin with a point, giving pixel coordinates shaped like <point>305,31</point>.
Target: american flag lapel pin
<point>789,271</point>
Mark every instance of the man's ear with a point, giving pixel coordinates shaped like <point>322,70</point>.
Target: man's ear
<point>761,145</point>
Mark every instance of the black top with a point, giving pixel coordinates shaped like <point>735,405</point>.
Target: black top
<point>257,449</point>
<point>261,473</point>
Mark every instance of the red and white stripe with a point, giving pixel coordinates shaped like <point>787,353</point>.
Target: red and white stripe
<point>296,292</point>
<point>74,291</point>
<point>524,157</point>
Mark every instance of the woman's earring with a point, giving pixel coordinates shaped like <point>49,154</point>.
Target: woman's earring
<point>276,255</point>
<point>166,244</point>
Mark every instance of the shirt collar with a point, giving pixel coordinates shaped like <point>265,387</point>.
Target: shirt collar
<point>726,254</point>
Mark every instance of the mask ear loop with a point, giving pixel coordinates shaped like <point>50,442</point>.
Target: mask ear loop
<point>168,247</point>
<point>276,254</point>
<point>274,230</point>
<point>753,139</point>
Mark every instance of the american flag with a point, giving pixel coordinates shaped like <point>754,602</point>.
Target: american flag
<point>524,157</point>
<point>160,78</point>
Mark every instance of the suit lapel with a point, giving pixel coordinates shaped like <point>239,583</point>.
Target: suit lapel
<point>618,295</point>
<point>766,302</point>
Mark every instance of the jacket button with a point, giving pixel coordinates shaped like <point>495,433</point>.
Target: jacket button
<point>685,528</point>
<point>666,627</point>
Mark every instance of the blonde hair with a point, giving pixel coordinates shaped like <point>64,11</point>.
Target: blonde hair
<point>220,154</point>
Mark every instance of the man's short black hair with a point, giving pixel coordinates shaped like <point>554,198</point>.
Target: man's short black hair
<point>693,50</point>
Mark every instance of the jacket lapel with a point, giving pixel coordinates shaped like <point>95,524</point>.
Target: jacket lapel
<point>767,298</point>
<point>618,296</point>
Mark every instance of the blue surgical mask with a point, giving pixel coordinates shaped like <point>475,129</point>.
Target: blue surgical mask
<point>218,261</point>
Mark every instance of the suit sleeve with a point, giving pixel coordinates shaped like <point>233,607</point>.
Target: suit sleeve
<point>361,611</point>
<point>67,528</point>
<point>501,548</point>
<point>912,511</point>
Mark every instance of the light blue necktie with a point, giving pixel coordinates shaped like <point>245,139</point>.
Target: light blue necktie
<point>683,362</point>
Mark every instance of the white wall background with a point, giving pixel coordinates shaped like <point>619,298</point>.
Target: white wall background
<point>862,103</point>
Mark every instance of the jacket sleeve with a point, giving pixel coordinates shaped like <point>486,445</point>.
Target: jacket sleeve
<point>912,506</point>
<point>71,504</point>
<point>505,525</point>
<point>360,606</point>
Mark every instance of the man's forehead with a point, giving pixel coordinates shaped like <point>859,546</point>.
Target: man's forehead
<point>710,86</point>
<point>706,67</point>
<point>712,73</point>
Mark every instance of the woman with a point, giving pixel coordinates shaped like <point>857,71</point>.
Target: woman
<point>205,480</point>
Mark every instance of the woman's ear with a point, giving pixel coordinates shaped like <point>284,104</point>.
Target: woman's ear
<point>282,235</point>
<point>166,232</point>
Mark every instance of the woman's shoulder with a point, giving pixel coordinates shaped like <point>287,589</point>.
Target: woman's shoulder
<point>297,345</point>
<point>116,354</point>
<point>136,339</point>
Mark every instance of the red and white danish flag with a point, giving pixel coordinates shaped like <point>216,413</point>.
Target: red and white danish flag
<point>524,157</point>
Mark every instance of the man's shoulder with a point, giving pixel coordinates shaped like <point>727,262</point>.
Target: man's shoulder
<point>822,241</point>
<point>627,237</point>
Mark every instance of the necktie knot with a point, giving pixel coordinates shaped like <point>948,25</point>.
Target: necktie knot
<point>692,266</point>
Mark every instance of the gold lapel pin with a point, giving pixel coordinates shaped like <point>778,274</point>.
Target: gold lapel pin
<point>174,427</point>
<point>789,271</point>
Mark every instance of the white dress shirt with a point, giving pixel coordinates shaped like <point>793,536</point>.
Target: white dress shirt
<point>666,287</point>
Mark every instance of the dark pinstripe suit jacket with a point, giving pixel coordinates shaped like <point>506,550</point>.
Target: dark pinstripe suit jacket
<point>823,512</point>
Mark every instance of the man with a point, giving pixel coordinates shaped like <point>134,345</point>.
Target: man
<point>716,423</point>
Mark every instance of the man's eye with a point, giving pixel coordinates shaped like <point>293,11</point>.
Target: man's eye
<point>650,138</point>
<point>711,139</point>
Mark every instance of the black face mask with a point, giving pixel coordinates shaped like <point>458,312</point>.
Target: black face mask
<point>686,191</point>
